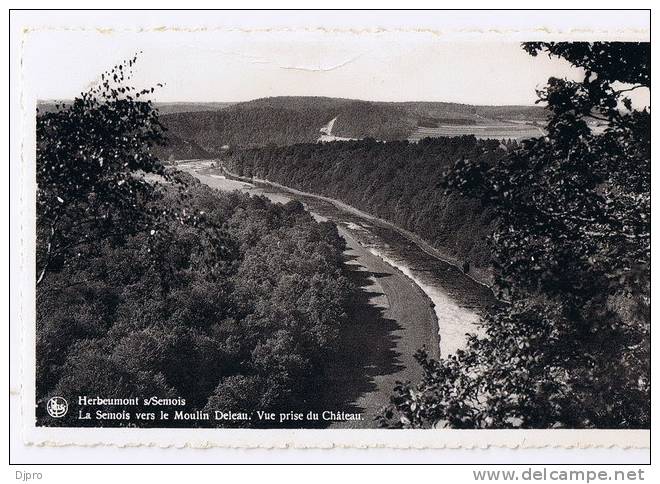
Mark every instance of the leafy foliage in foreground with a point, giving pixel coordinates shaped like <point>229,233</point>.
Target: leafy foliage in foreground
<point>88,155</point>
<point>572,258</point>
<point>165,287</point>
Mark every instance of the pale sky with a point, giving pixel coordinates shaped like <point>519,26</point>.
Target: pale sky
<point>220,65</point>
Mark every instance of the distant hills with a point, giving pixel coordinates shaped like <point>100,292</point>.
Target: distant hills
<point>163,108</point>
<point>284,121</point>
<point>202,130</point>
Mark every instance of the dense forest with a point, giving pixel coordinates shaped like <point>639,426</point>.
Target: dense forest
<point>175,148</point>
<point>150,284</point>
<point>285,121</point>
<point>396,181</point>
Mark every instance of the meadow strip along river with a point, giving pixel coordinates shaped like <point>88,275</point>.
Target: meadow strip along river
<point>406,299</point>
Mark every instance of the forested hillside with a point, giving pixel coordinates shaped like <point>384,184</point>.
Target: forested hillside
<point>284,121</point>
<point>177,148</point>
<point>397,181</point>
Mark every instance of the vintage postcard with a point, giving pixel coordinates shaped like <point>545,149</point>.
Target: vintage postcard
<point>384,229</point>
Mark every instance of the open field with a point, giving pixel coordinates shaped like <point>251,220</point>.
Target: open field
<point>515,131</point>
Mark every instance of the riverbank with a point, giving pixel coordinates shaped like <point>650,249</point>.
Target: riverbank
<point>482,277</point>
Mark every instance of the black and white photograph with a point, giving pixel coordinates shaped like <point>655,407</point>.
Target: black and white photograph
<point>314,229</point>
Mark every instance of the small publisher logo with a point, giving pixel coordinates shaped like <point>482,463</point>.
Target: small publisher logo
<point>57,407</point>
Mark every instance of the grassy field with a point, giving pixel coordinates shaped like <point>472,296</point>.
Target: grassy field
<point>515,131</point>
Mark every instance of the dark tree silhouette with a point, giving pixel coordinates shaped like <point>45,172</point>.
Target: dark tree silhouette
<point>93,159</point>
<point>571,252</point>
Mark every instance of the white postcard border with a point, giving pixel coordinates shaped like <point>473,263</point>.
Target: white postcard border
<point>23,382</point>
